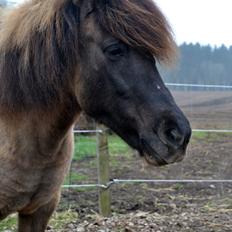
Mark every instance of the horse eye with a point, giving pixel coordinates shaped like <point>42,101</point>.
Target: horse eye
<point>115,51</point>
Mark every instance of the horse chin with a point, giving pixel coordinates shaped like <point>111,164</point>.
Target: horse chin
<point>154,159</point>
<point>151,156</point>
<point>150,160</point>
<point>157,160</point>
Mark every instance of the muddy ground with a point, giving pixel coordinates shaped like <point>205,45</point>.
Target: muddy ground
<point>161,207</point>
<point>166,207</point>
<point>206,109</point>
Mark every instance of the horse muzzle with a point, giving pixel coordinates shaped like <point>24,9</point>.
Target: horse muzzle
<point>166,145</point>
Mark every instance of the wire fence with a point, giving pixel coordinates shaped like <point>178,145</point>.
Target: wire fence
<point>105,183</point>
<point>212,131</point>
<point>200,86</point>
<point>141,181</point>
<point>133,181</point>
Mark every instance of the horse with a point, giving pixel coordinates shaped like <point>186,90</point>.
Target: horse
<point>59,58</point>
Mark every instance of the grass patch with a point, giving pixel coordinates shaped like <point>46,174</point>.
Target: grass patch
<point>9,223</point>
<point>209,136</point>
<point>60,219</point>
<point>118,146</point>
<point>57,222</point>
<point>178,186</point>
<point>200,135</point>
<point>223,205</point>
<point>75,177</point>
<point>85,146</point>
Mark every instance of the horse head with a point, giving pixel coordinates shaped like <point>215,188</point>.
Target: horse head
<point>118,82</point>
<point>102,55</point>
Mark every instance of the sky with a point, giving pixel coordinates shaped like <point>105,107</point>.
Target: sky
<point>203,21</point>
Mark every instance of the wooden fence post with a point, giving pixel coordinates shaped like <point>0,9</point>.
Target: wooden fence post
<point>103,171</point>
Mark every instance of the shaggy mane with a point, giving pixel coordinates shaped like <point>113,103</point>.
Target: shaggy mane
<point>140,24</point>
<point>38,51</point>
<point>39,45</point>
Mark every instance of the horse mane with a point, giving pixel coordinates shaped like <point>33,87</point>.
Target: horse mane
<point>38,49</point>
<point>39,45</point>
<point>140,24</point>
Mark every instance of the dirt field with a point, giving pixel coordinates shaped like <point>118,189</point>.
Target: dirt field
<point>206,109</point>
<point>164,207</point>
<point>161,207</point>
<point>167,207</point>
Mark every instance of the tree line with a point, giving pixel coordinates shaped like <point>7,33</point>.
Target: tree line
<point>199,64</point>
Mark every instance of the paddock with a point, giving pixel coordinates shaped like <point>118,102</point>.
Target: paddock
<point>194,195</point>
<point>173,203</point>
<point>108,187</point>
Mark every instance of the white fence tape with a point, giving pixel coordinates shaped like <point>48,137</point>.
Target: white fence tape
<point>141,181</point>
<point>200,86</point>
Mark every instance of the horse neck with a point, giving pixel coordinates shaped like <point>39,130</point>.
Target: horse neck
<point>40,130</point>
<point>37,67</point>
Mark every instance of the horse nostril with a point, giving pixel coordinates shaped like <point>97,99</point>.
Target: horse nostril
<point>174,136</point>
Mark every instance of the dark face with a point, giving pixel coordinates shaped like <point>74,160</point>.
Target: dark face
<point>121,88</point>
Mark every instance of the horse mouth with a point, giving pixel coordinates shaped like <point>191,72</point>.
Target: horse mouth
<point>151,156</point>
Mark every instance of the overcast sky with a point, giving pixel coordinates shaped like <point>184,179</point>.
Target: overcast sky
<point>203,21</point>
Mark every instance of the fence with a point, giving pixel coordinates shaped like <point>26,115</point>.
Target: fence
<point>104,183</point>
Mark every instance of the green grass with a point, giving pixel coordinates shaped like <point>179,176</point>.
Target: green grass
<point>57,222</point>
<point>85,146</point>
<point>200,135</point>
<point>9,223</point>
<point>75,177</point>
<point>60,219</point>
<point>209,136</point>
<point>178,186</point>
<point>118,146</point>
